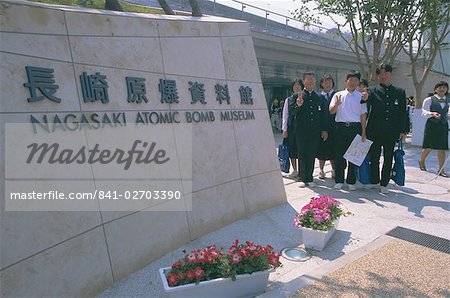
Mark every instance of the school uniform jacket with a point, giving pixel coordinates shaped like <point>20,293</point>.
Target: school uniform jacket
<point>387,113</point>
<point>311,116</point>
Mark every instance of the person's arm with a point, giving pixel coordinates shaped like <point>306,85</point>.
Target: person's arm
<point>448,114</point>
<point>285,115</point>
<point>403,115</point>
<point>426,108</point>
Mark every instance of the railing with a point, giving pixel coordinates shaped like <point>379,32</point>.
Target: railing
<point>281,17</point>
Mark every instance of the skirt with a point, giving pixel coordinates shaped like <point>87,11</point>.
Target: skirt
<point>435,136</point>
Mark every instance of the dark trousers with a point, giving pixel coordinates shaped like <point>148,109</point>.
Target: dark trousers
<point>344,136</point>
<point>375,152</point>
<point>307,146</point>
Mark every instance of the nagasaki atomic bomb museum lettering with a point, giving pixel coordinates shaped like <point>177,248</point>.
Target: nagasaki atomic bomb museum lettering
<point>42,86</point>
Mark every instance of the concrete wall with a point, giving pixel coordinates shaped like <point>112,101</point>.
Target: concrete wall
<point>235,171</point>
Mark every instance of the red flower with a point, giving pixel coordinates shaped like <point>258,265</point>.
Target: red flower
<point>191,258</point>
<point>177,264</point>
<point>190,275</point>
<point>199,272</point>
<point>235,258</point>
<point>172,279</point>
<point>201,257</point>
<point>274,259</point>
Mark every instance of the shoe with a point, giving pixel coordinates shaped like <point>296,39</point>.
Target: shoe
<point>294,174</point>
<point>422,166</point>
<point>312,184</point>
<point>338,186</point>
<point>443,174</point>
<point>333,175</point>
<point>371,186</point>
<point>302,184</point>
<point>321,175</point>
<point>352,187</point>
<point>384,190</point>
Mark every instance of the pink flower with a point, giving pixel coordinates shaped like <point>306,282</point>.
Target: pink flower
<point>318,219</point>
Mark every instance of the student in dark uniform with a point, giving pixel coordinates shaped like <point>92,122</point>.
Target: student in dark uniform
<point>310,128</point>
<point>436,109</point>
<point>326,148</point>
<point>386,124</point>
<point>288,124</point>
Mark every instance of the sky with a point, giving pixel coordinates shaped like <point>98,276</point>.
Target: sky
<point>284,7</point>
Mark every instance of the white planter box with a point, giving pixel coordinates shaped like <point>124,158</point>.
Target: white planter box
<point>245,285</point>
<point>315,239</point>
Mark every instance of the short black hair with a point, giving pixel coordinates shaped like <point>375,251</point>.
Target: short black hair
<point>364,83</point>
<point>353,74</point>
<point>324,78</point>
<point>440,84</point>
<point>298,80</point>
<point>383,66</point>
<point>308,74</point>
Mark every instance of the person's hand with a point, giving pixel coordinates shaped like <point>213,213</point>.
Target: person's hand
<point>402,136</point>
<point>436,115</point>
<point>363,137</point>
<point>285,134</point>
<point>300,98</point>
<point>324,135</point>
<point>338,100</point>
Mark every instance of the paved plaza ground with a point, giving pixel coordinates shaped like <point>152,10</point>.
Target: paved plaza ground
<point>423,204</point>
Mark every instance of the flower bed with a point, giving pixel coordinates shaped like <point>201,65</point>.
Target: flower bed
<point>212,263</point>
<point>320,213</point>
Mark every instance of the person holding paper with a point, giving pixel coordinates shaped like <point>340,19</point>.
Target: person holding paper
<point>385,124</point>
<point>310,128</point>
<point>350,121</point>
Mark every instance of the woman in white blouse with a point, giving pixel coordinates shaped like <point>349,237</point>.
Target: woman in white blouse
<point>436,109</point>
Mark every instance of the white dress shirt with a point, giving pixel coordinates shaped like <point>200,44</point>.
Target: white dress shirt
<point>350,110</point>
<point>427,104</point>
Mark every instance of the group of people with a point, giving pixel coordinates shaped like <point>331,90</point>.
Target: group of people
<point>323,126</point>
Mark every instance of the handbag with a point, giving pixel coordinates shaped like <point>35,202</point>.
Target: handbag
<point>398,170</point>
<point>283,156</point>
<point>364,171</point>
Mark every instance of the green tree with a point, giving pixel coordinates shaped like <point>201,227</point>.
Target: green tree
<point>429,26</point>
<point>380,29</point>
